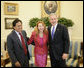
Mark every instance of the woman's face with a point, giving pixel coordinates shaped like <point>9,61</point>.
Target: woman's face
<point>40,27</point>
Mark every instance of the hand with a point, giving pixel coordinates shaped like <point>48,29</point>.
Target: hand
<point>64,56</point>
<point>17,64</point>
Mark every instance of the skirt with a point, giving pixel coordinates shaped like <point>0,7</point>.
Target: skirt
<point>41,60</point>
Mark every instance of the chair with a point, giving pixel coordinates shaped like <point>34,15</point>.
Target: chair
<point>74,55</point>
<point>81,60</point>
<point>5,59</point>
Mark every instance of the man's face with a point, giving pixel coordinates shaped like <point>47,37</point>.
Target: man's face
<point>18,27</point>
<point>53,19</point>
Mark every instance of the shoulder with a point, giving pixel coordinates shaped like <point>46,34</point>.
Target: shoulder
<point>23,31</point>
<point>33,33</point>
<point>62,26</point>
<point>11,34</point>
<point>49,27</point>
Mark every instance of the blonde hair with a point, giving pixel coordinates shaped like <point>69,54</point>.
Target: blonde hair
<point>36,28</point>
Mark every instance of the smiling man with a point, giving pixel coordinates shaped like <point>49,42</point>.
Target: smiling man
<point>17,45</point>
<point>58,42</point>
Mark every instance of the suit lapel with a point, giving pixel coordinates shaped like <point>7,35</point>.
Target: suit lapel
<point>50,32</point>
<point>17,38</point>
<point>55,34</point>
<point>24,39</point>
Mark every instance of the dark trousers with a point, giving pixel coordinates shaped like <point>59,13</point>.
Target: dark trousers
<point>23,64</point>
<point>55,62</point>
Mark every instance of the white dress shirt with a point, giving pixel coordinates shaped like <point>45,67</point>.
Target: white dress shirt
<point>52,28</point>
<point>18,35</point>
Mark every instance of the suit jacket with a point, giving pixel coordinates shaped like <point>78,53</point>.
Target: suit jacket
<point>15,48</point>
<point>38,48</point>
<point>60,43</point>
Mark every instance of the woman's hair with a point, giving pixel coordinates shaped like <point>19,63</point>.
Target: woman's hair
<point>36,28</point>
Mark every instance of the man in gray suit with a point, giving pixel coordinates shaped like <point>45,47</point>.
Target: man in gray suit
<point>17,45</point>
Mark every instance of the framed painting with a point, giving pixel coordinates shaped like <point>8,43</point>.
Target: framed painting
<point>8,23</point>
<point>48,7</point>
<point>10,8</point>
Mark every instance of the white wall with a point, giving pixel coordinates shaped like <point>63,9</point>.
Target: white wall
<point>74,11</point>
<point>29,9</point>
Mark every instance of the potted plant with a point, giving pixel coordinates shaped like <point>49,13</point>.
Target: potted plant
<point>66,22</point>
<point>33,21</point>
<point>46,21</point>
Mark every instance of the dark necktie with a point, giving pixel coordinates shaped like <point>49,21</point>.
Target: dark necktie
<point>23,44</point>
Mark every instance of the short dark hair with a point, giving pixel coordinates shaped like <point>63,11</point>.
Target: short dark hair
<point>16,21</point>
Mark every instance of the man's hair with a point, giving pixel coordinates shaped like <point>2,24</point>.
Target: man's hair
<point>52,15</point>
<point>16,21</point>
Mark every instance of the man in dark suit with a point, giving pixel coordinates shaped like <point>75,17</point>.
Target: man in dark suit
<point>58,42</point>
<point>17,45</point>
